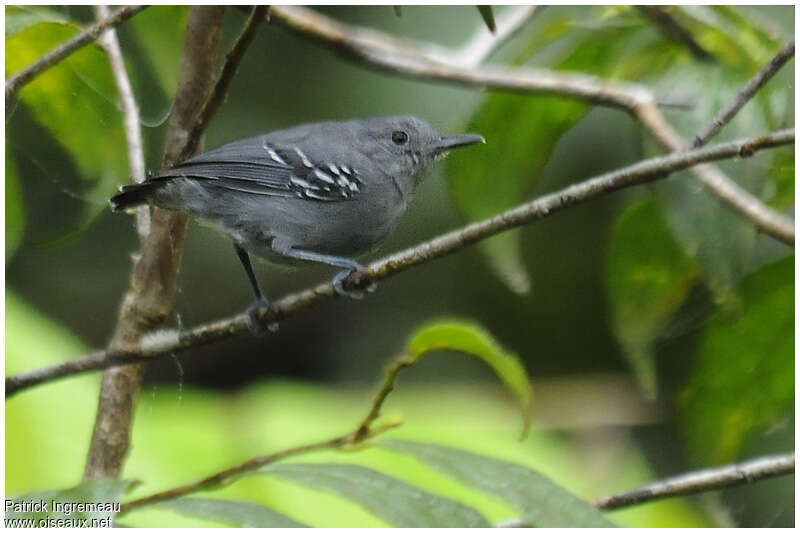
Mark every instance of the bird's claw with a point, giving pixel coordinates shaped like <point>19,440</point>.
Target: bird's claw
<point>255,326</point>
<point>356,294</point>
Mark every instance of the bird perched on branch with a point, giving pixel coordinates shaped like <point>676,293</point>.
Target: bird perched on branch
<point>321,192</point>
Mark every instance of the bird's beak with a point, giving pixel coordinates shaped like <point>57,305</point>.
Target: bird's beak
<point>448,142</point>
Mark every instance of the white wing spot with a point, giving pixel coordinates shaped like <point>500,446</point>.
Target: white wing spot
<point>303,157</point>
<point>322,176</point>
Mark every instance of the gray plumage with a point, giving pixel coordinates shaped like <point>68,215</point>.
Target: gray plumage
<point>319,192</point>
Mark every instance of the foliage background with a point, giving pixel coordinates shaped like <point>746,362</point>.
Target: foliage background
<point>658,283</point>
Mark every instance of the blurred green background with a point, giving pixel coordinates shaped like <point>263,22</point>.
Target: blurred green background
<point>656,326</point>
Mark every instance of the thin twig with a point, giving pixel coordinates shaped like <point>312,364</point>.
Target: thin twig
<point>167,342</point>
<point>130,114</point>
<point>363,432</point>
<point>703,481</point>
<point>744,95</point>
<point>691,483</point>
<point>675,31</point>
<point>15,82</point>
<point>223,83</point>
<point>389,54</point>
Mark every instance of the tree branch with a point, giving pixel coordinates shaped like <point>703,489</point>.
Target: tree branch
<point>691,483</point>
<point>130,114</point>
<point>363,432</point>
<point>223,83</point>
<point>405,58</point>
<point>15,82</point>
<point>744,95</point>
<point>389,54</point>
<point>148,302</point>
<point>163,343</point>
<point>703,481</point>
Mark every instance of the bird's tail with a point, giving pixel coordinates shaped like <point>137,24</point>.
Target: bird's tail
<point>133,195</point>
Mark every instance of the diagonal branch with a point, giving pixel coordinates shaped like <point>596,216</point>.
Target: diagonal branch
<point>709,479</point>
<point>15,82</point>
<point>223,83</point>
<point>389,54</point>
<point>703,481</point>
<point>163,343</point>
<point>744,95</point>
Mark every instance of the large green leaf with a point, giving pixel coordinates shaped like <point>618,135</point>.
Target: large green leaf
<point>76,101</point>
<point>540,502</point>
<point>65,504</point>
<point>647,278</point>
<point>237,514</point>
<point>720,240</point>
<point>743,377</point>
<point>471,338</point>
<point>395,501</point>
<point>522,130</point>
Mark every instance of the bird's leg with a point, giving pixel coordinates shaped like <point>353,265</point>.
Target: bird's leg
<point>348,265</point>
<point>252,311</point>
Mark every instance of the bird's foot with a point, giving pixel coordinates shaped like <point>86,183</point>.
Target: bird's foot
<point>362,286</point>
<point>255,325</point>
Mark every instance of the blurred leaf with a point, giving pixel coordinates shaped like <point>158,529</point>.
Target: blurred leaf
<point>399,503</point>
<point>472,339</point>
<point>743,377</point>
<point>488,17</point>
<point>76,101</point>
<point>15,208</point>
<point>106,491</point>
<point>237,514</point>
<point>733,39</point>
<point>648,277</point>
<point>20,17</point>
<point>720,241</point>
<point>160,32</point>
<point>522,131</point>
<point>541,502</point>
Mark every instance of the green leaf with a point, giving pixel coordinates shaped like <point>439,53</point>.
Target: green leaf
<point>56,503</point>
<point>541,502</point>
<point>743,376</point>
<point>648,276</point>
<point>76,101</point>
<point>719,240</point>
<point>20,17</point>
<point>15,208</point>
<point>392,500</point>
<point>160,32</point>
<point>237,514</point>
<point>472,339</point>
<point>522,131</point>
<point>488,17</point>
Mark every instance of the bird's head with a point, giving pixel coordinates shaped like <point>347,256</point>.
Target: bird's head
<point>404,146</point>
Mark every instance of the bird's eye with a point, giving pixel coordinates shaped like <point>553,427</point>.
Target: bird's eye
<point>399,137</point>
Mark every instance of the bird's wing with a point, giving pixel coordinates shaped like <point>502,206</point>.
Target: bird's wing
<point>256,166</point>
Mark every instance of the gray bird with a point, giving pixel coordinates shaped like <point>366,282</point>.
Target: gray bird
<point>321,192</point>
